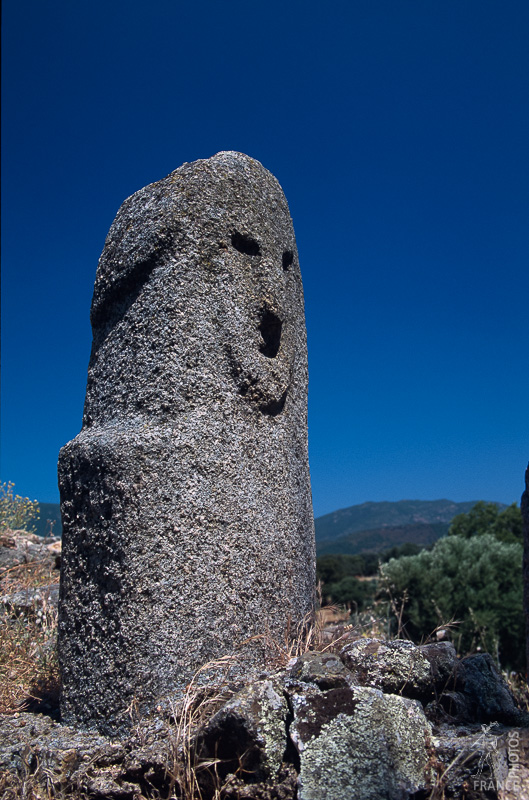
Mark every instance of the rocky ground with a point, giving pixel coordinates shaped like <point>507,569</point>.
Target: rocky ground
<point>375,719</point>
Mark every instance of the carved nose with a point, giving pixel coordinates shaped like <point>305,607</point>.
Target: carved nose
<point>270,329</point>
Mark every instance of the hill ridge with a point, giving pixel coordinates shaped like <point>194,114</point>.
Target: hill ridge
<point>359,518</point>
<point>391,523</point>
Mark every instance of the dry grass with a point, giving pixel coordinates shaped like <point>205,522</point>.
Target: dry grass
<point>32,784</point>
<point>519,688</point>
<point>189,774</point>
<point>29,670</point>
<point>28,653</point>
<point>198,705</point>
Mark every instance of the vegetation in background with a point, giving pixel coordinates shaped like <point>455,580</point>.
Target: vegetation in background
<point>486,518</point>
<point>387,515</point>
<point>344,578</point>
<point>28,660</point>
<point>16,513</point>
<point>472,576</point>
<point>381,539</point>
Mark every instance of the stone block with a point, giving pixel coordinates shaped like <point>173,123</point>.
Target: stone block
<point>358,742</point>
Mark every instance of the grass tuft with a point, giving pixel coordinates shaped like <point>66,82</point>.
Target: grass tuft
<point>29,671</point>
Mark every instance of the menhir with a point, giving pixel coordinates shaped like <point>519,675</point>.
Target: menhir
<point>185,498</point>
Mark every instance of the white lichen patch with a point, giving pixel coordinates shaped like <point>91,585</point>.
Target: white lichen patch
<point>393,666</point>
<point>261,711</point>
<point>381,749</point>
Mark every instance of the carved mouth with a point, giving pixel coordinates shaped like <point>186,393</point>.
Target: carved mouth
<point>270,328</point>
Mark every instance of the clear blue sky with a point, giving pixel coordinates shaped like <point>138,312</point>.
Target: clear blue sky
<point>399,130</point>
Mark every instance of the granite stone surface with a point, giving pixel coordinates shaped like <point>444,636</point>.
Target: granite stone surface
<point>185,498</point>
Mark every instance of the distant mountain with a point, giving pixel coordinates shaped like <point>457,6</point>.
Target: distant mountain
<point>379,526</point>
<point>369,526</point>
<point>379,539</point>
<point>49,513</point>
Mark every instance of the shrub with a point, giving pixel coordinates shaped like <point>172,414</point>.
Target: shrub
<point>476,581</point>
<point>506,525</point>
<point>16,512</point>
<point>352,592</point>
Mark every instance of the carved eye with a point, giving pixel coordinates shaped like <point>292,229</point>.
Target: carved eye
<point>245,244</point>
<point>288,258</point>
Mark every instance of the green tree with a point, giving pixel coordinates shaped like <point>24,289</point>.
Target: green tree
<point>329,569</point>
<point>339,578</point>
<point>351,591</point>
<point>406,549</point>
<point>486,518</point>
<point>16,512</point>
<point>371,563</point>
<point>476,581</point>
<point>332,568</point>
<point>509,525</point>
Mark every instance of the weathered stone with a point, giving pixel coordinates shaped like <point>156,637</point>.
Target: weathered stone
<point>248,734</point>
<point>443,661</point>
<point>285,787</point>
<point>325,670</point>
<point>193,448</point>
<point>29,601</point>
<point>525,516</point>
<point>482,761</point>
<point>343,742</point>
<point>35,751</point>
<point>358,742</point>
<point>400,667</point>
<point>23,547</point>
<point>41,758</point>
<point>486,692</point>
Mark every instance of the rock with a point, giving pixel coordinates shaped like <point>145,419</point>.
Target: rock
<point>283,788</point>
<point>40,758</point>
<point>511,765</point>
<point>400,667</point>
<point>22,547</point>
<point>478,761</point>
<point>248,734</point>
<point>487,694</point>
<point>450,706</point>
<point>193,448</point>
<point>358,742</point>
<point>325,670</point>
<point>29,601</point>
<point>36,751</point>
<point>55,548</point>
<point>470,690</point>
<point>278,738</point>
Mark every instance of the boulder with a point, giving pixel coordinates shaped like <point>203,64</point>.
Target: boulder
<point>30,601</point>
<point>324,670</point>
<point>358,742</point>
<point>23,547</point>
<point>248,733</point>
<point>400,667</point>
<point>487,696</point>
